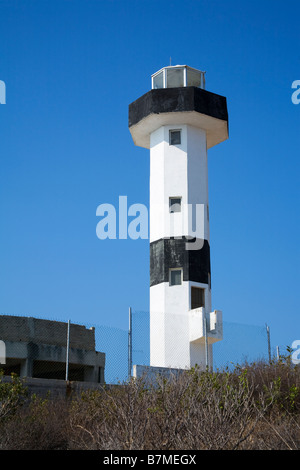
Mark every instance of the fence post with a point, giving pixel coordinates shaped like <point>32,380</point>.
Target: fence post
<point>67,353</point>
<point>130,344</point>
<point>206,341</point>
<point>269,343</point>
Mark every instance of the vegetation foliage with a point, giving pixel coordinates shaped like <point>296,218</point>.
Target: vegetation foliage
<point>254,406</point>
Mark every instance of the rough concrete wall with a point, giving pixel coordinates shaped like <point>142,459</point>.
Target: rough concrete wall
<point>56,388</point>
<point>13,328</point>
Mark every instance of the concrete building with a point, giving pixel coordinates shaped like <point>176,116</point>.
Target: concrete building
<point>178,120</point>
<point>39,348</point>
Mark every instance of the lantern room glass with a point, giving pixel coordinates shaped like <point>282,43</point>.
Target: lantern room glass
<point>193,77</point>
<point>178,76</point>
<point>175,77</point>
<point>158,80</point>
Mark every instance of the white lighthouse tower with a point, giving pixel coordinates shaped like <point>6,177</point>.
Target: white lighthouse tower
<point>178,120</point>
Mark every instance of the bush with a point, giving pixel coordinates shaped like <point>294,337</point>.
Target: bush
<point>41,424</point>
<point>12,396</point>
<point>255,406</point>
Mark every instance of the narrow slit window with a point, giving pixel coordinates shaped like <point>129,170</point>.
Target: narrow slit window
<point>197,297</point>
<point>175,204</point>
<point>175,277</point>
<point>175,137</point>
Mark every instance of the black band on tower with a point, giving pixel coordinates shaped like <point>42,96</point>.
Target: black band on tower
<point>168,253</point>
<point>168,100</point>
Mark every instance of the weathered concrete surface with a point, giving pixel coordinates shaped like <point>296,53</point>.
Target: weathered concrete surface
<point>38,348</point>
<point>27,329</point>
<point>52,388</point>
<point>150,373</point>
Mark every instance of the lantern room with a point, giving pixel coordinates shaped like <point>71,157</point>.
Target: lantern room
<point>178,76</point>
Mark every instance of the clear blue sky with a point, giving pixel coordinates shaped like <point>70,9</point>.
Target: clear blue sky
<point>71,69</point>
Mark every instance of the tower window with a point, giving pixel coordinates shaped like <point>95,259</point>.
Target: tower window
<point>175,137</point>
<point>175,277</point>
<point>175,204</point>
<point>197,297</point>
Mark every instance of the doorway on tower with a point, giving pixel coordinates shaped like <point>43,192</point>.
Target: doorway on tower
<point>197,297</point>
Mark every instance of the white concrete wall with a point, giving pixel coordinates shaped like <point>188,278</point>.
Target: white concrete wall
<point>173,325</point>
<point>198,355</point>
<point>169,325</point>
<point>176,171</point>
<point>197,173</point>
<point>168,178</point>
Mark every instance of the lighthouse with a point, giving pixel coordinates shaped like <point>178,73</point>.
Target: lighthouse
<point>178,120</point>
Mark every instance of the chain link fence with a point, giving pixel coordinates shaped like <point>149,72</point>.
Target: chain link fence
<point>241,343</point>
<point>96,353</point>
